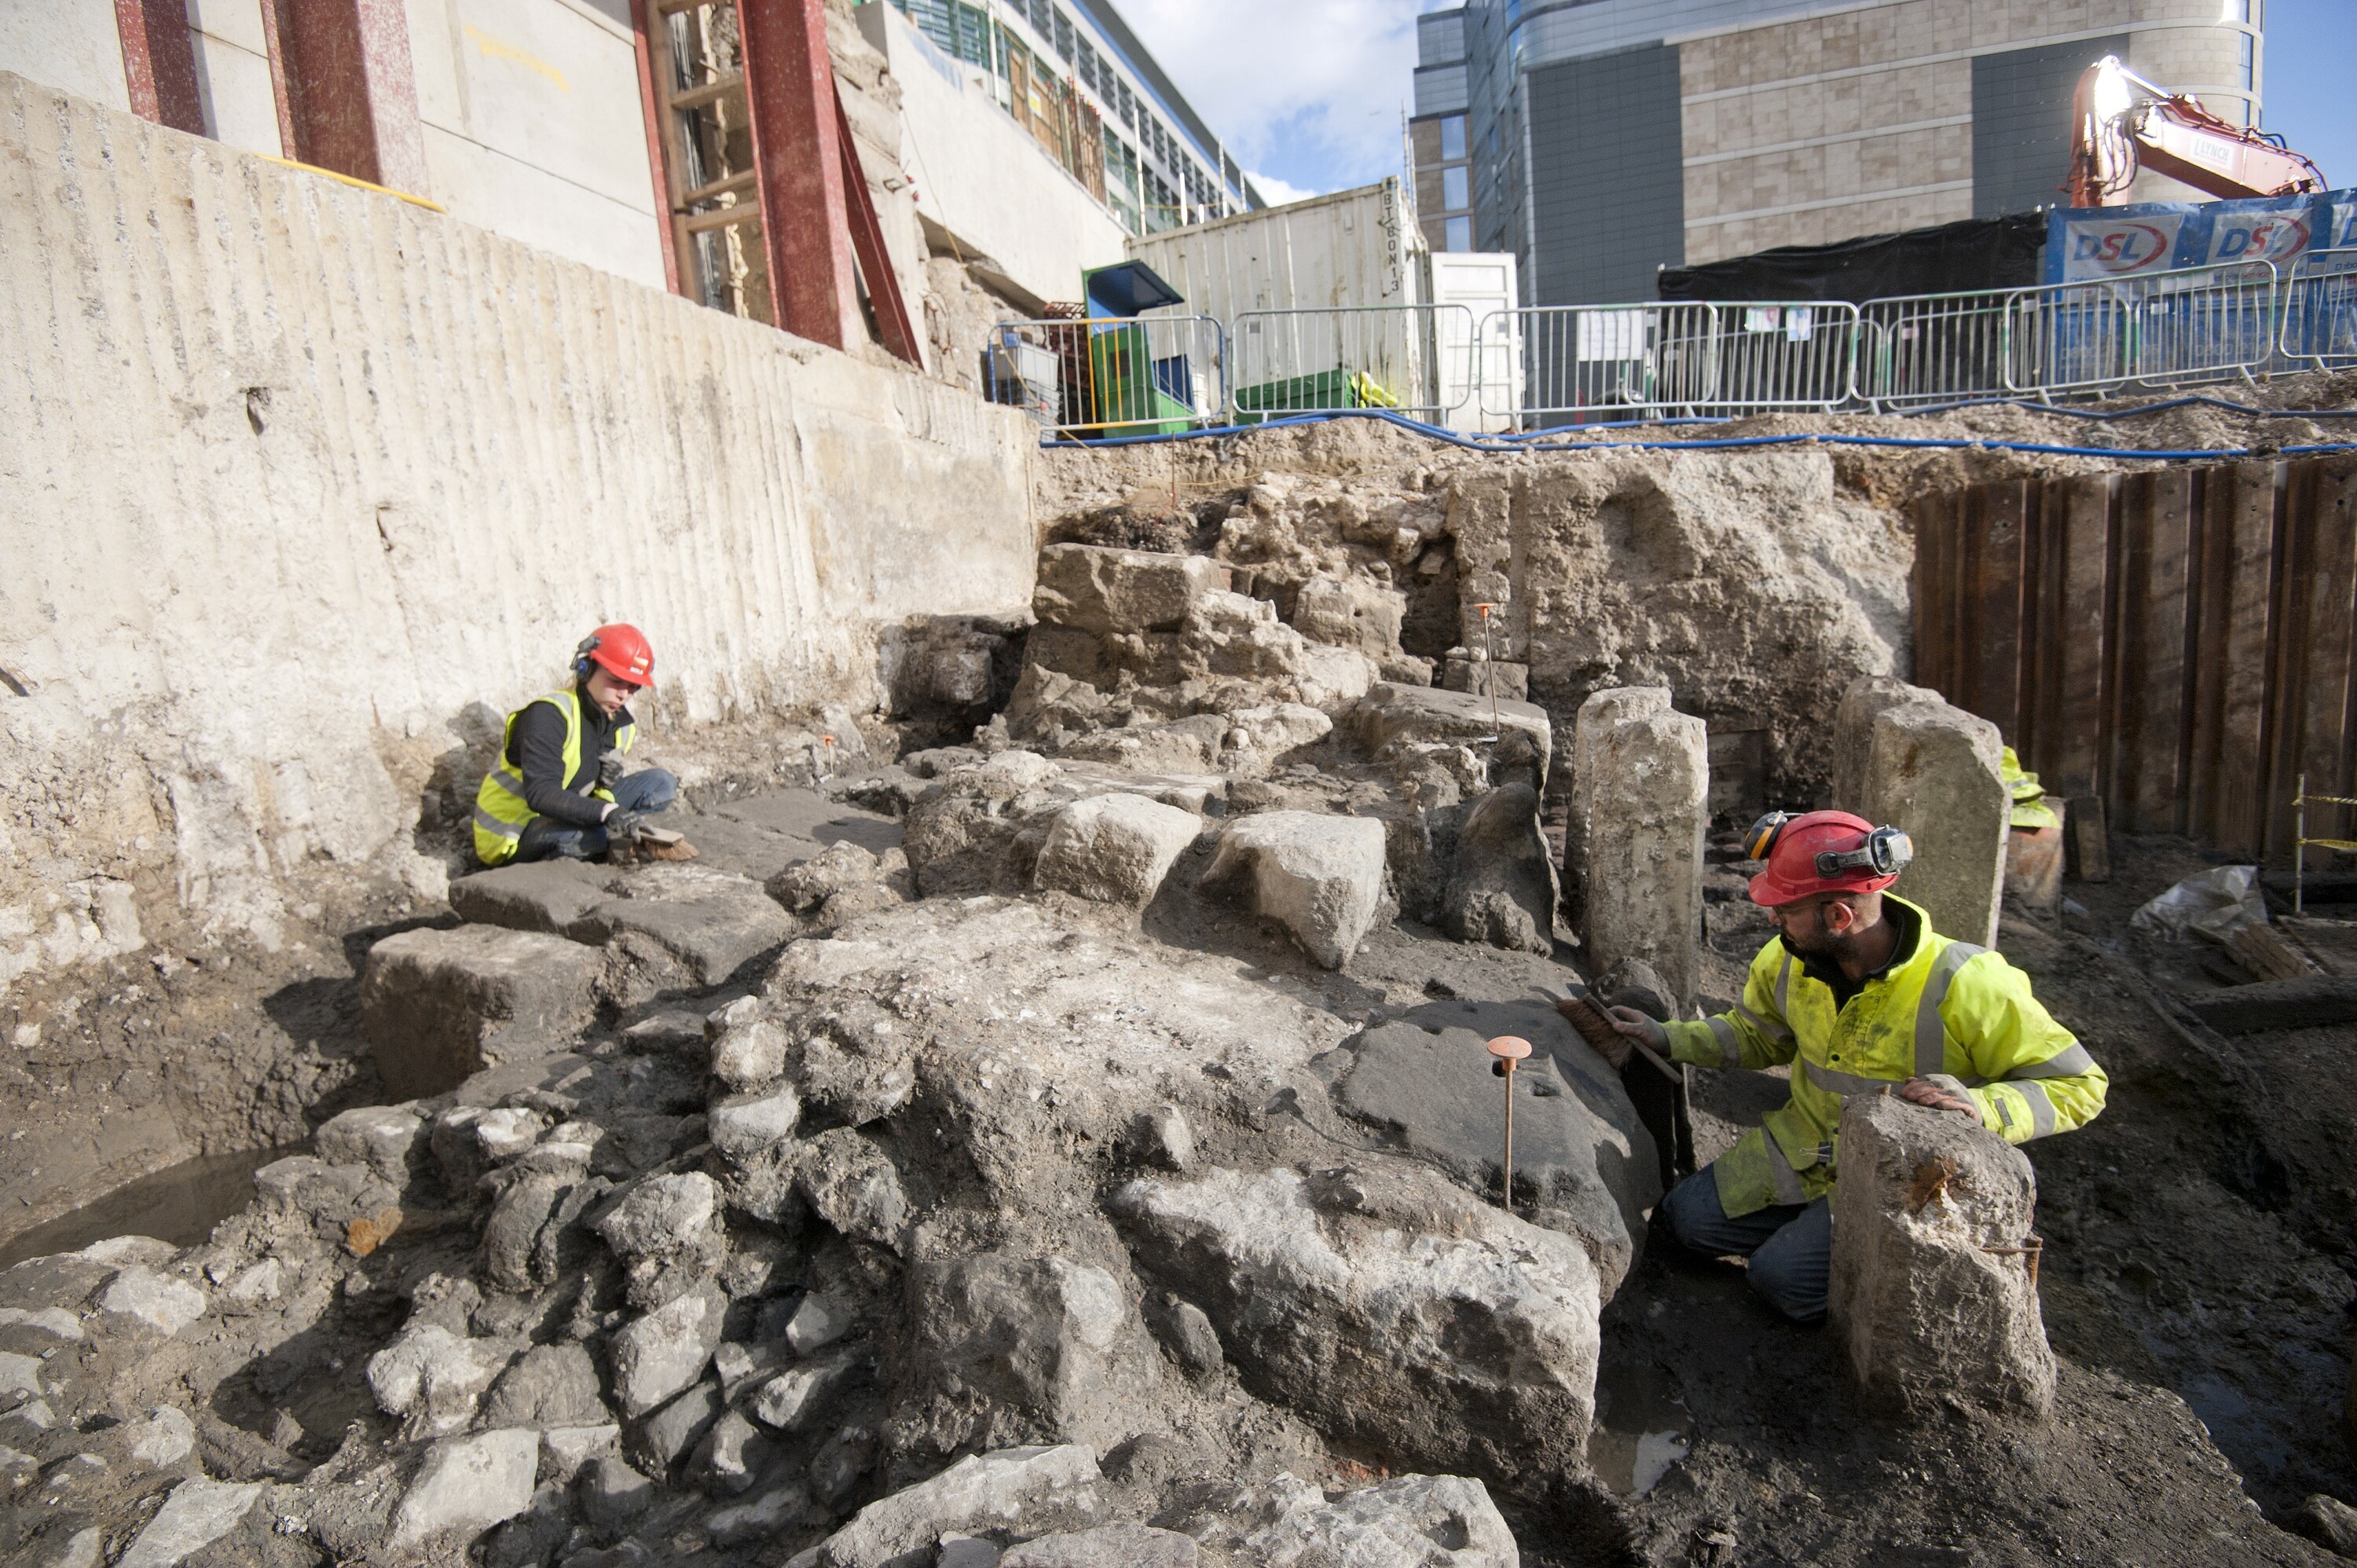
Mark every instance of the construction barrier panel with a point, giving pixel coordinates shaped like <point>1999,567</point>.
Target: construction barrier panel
<point>1091,376</point>
<point>1794,355</point>
<point>1328,359</point>
<point>1923,348</point>
<point>1582,363</point>
<point>2319,329</point>
<point>2158,329</point>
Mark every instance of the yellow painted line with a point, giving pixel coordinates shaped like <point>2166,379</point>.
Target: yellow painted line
<point>497,49</point>
<point>348,180</point>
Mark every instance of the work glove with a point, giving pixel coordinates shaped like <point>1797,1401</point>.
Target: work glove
<point>610,770</point>
<point>1633,1024</point>
<point>622,826</point>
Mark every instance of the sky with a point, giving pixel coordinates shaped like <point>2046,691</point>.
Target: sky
<point>1310,92</point>
<point>2307,89</point>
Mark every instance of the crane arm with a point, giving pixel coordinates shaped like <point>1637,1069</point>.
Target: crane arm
<point>2116,132</point>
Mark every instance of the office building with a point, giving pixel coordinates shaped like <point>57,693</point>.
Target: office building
<point>1601,140</point>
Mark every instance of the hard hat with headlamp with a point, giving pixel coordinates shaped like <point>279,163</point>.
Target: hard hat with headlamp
<point>1824,851</point>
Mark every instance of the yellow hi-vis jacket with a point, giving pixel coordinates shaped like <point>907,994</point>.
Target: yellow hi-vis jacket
<point>501,813</point>
<point>1948,1011</point>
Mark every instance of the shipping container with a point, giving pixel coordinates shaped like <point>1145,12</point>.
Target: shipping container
<point>1327,303</point>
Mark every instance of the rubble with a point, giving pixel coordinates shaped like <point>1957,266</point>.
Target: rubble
<point>1115,849</point>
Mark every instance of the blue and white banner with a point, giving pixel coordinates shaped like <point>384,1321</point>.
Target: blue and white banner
<point>2085,243</point>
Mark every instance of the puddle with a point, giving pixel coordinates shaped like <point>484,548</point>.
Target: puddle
<point>1640,1429</point>
<point>180,1204</point>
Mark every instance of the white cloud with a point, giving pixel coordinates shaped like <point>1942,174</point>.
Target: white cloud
<point>1312,89</point>
<point>1279,192</point>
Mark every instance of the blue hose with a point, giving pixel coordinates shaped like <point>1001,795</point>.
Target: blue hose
<point>1526,444</point>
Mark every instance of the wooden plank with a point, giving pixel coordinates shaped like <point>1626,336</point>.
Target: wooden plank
<point>1995,612</point>
<point>2237,556</point>
<point>1929,514</point>
<point>2327,750</point>
<point>2156,548</point>
<point>2068,752</point>
<point>2034,711</point>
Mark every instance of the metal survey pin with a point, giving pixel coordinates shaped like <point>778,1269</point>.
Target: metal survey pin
<point>1489,673</point>
<point>828,741</point>
<point>1508,1049</point>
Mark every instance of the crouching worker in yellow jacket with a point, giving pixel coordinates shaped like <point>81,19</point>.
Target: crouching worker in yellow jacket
<point>1861,995</point>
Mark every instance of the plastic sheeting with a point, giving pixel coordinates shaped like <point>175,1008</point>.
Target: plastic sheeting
<point>1950,258</point>
<point>2215,904</point>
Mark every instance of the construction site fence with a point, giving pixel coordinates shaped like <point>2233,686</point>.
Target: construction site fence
<point>1328,360</point>
<point>1544,367</point>
<point>1085,377</point>
<point>2319,328</point>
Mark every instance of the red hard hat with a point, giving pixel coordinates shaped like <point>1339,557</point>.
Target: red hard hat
<point>1794,846</point>
<point>623,652</point>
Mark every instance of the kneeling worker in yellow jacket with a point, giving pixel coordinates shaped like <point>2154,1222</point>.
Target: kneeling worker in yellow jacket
<point>1861,995</point>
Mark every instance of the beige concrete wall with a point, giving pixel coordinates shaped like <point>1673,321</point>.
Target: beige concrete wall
<point>299,484</point>
<point>982,177</point>
<point>1857,120</point>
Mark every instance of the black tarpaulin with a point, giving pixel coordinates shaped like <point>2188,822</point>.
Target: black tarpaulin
<point>1950,258</point>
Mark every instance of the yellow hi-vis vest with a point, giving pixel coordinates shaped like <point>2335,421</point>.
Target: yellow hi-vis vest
<point>1948,1011</point>
<point>501,812</point>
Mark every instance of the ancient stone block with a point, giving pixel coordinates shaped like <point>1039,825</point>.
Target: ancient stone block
<point>198,1513</point>
<point>466,1485</point>
<point>1501,885</point>
<point>1392,712</point>
<point>706,923</point>
<point>1320,876</point>
<point>1931,1294</point>
<point>1397,1523</point>
<point>1861,704</point>
<point>437,1007</point>
<point>656,1356</point>
<point>1932,771</point>
<point>1357,613</point>
<point>541,895</point>
<point>1374,1300</point>
<point>1480,676</point>
<point>381,1137</point>
<point>1115,849</point>
<point>1090,588</point>
<point>1648,808</point>
<point>1596,719</point>
<point>1584,1163</point>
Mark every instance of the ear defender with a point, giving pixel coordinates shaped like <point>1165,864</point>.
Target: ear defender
<point>1764,833</point>
<point>581,652</point>
<point>1887,852</point>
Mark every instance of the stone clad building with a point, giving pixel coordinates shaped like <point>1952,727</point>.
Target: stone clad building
<point>1601,140</point>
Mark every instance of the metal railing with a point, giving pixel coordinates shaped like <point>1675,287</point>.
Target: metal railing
<point>1582,362</point>
<point>2163,329</point>
<point>1146,375</point>
<point>1545,366</point>
<point>1331,358</point>
<point>1915,350</point>
<point>2320,313</point>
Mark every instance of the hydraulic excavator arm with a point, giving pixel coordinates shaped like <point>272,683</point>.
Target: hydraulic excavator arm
<point>2120,122</point>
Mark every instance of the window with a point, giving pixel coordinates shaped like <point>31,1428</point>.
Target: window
<point>1127,107</point>
<point>1452,138</point>
<point>1460,234</point>
<point>1043,20</point>
<point>2248,58</point>
<point>1085,59</point>
<point>1453,191</point>
<point>1064,36</point>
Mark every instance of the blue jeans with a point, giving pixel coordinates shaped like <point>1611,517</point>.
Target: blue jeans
<point>545,838</point>
<point>1791,1245</point>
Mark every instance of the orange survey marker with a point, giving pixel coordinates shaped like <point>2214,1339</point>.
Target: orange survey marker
<point>1508,1049</point>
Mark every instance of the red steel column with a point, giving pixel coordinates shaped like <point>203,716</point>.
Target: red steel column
<point>159,63</point>
<point>347,90</point>
<point>790,91</point>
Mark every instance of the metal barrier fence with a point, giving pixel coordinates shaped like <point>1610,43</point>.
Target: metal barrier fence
<point>1582,362</point>
<point>1545,366</point>
<point>1146,375</point>
<point>2319,323</point>
<point>1938,347</point>
<point>1323,361</point>
<point>2173,329</point>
